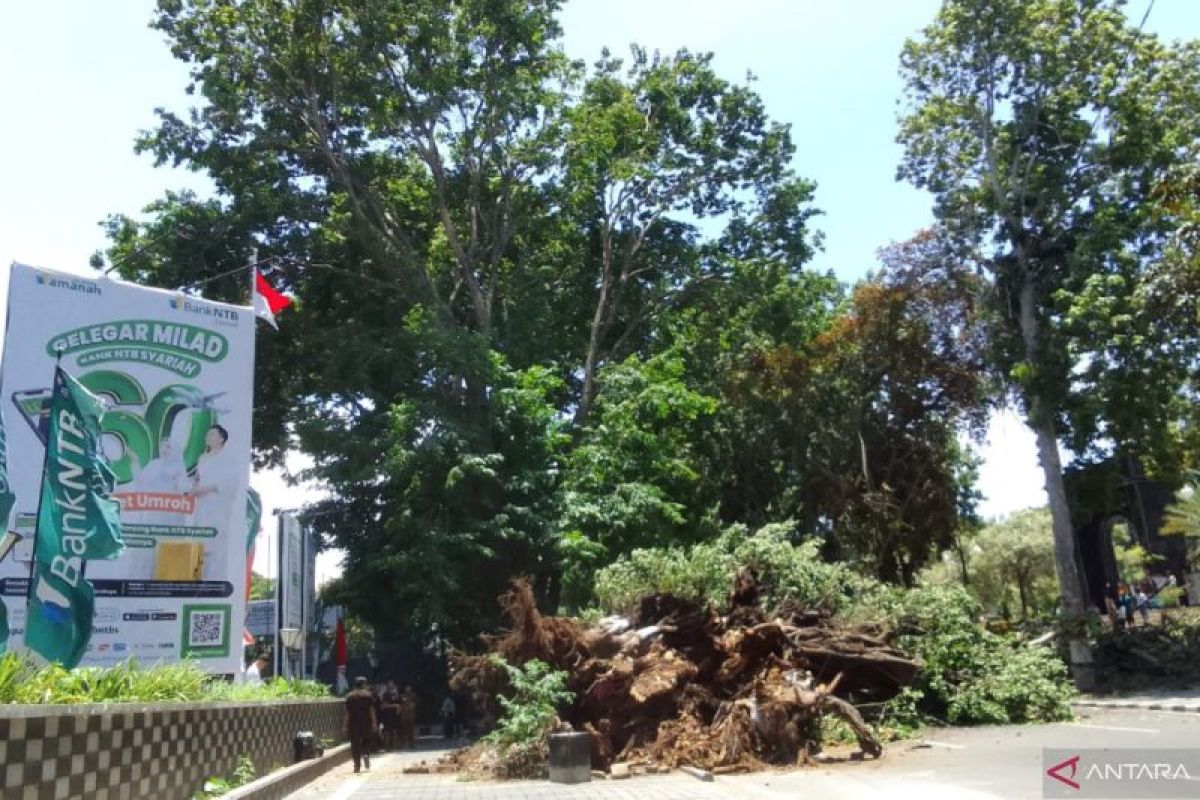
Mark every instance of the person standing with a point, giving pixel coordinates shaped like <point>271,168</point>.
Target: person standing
<point>1110,604</point>
<point>449,714</point>
<point>361,723</point>
<point>389,701</point>
<point>408,717</point>
<point>255,670</point>
<point>1125,606</point>
<point>1142,602</point>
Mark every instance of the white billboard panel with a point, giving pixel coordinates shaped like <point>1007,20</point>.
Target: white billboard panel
<point>177,372</point>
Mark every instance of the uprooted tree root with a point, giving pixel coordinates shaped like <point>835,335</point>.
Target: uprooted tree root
<point>680,685</point>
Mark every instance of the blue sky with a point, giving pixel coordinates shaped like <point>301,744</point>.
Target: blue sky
<point>78,79</point>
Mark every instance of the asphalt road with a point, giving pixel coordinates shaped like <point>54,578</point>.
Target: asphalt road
<point>981,763</point>
<point>975,763</point>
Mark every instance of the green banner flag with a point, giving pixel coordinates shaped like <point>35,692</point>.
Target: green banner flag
<point>78,521</point>
<point>7,498</point>
<point>253,518</point>
<point>253,523</point>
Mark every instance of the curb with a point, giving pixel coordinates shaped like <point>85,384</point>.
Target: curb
<point>1142,705</point>
<point>283,782</point>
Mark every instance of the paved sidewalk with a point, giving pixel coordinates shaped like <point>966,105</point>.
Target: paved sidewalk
<point>1188,701</point>
<point>387,780</point>
<point>987,762</point>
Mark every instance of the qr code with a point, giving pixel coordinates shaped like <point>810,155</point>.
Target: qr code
<point>207,628</point>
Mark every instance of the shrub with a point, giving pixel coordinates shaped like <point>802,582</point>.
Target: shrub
<point>530,711</point>
<point>127,682</point>
<point>705,572</point>
<point>217,786</point>
<point>968,674</point>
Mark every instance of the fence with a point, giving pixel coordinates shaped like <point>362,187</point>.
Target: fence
<point>135,750</point>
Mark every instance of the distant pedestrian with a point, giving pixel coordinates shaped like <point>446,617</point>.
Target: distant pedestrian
<point>1110,603</point>
<point>408,717</point>
<point>255,670</point>
<point>390,706</point>
<point>1142,604</point>
<point>449,717</point>
<point>361,723</point>
<point>376,744</point>
<point>1125,605</point>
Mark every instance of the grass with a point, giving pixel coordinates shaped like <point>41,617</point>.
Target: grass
<point>127,682</point>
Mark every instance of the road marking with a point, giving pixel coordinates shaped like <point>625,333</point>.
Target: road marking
<point>1113,728</point>
<point>945,744</point>
<point>348,788</point>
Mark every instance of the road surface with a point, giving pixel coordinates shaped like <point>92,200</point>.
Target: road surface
<point>981,763</point>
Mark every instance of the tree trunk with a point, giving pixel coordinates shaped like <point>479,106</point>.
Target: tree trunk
<point>962,559</point>
<point>1041,422</point>
<point>1023,592</point>
<point>599,329</point>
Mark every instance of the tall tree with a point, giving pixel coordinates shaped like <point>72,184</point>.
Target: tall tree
<point>1042,127</point>
<point>861,420</point>
<point>648,154</point>
<point>436,182</point>
<point>370,104</point>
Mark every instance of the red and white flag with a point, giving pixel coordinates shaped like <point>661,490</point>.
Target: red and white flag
<point>267,301</point>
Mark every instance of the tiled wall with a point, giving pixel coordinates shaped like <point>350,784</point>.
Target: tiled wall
<point>140,751</point>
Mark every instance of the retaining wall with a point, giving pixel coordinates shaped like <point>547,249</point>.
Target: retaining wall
<point>125,751</point>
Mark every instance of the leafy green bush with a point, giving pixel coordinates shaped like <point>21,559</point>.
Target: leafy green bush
<point>530,711</point>
<point>1146,657</point>
<point>22,682</point>
<point>217,786</point>
<point>274,689</point>
<point>705,572</point>
<point>969,674</point>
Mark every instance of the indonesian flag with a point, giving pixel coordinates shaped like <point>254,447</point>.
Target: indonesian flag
<point>339,644</point>
<point>267,301</point>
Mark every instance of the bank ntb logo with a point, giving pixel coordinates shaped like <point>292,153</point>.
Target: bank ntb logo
<point>181,302</point>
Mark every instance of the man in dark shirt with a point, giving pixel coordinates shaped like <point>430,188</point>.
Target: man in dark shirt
<point>361,723</point>
<point>389,701</point>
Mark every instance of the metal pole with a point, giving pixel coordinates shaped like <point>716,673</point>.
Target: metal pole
<point>278,592</point>
<point>45,471</point>
<point>303,597</point>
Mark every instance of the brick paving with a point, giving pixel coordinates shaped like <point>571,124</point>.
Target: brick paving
<point>387,780</point>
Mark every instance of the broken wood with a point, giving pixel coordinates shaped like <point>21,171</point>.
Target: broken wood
<point>678,686</point>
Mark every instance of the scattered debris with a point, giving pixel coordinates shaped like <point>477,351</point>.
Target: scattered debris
<point>698,774</point>
<point>676,685</point>
<point>1046,638</point>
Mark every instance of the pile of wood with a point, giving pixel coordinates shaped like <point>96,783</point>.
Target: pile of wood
<point>678,684</point>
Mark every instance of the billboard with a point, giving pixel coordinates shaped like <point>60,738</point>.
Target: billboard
<point>291,571</point>
<point>176,372</point>
<point>260,617</point>
<point>291,584</point>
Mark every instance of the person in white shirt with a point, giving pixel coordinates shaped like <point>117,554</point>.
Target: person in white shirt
<point>255,670</point>
<point>213,480</point>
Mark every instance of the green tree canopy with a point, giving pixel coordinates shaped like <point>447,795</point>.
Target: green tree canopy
<point>1043,129</point>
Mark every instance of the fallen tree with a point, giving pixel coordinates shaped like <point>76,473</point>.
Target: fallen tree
<point>676,683</point>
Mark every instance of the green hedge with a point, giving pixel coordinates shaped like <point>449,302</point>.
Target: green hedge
<point>22,682</point>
